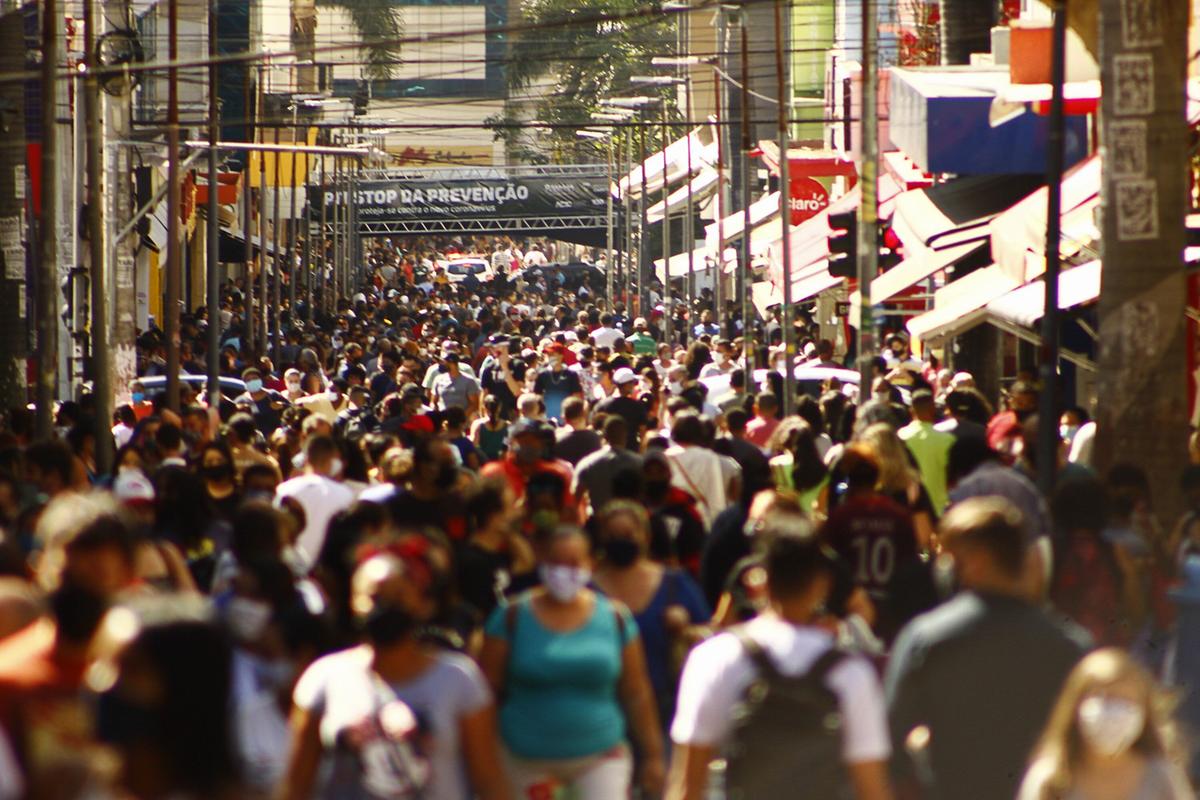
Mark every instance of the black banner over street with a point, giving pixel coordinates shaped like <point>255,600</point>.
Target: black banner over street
<point>478,198</point>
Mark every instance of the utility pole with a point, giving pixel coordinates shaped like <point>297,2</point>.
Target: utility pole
<point>1142,374</point>
<point>746,271</point>
<point>47,234</point>
<point>785,214</point>
<point>212,277</point>
<point>1048,436</point>
<point>668,311</point>
<point>174,267</point>
<point>293,227</point>
<point>627,196</point>
<point>723,202</point>
<point>643,288</point>
<point>277,261</point>
<point>102,383</point>
<point>868,211</point>
<point>324,263</point>
<point>608,221</point>
<point>264,297</point>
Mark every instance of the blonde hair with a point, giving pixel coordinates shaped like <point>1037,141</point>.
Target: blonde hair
<point>1061,749</point>
<point>896,472</point>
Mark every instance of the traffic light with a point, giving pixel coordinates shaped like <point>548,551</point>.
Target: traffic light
<point>843,244</point>
<point>362,95</point>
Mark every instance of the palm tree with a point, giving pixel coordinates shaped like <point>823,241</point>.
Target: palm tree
<point>591,59</point>
<point>379,24</point>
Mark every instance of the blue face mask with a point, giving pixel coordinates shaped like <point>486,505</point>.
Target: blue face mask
<point>138,397</point>
<point>254,385</point>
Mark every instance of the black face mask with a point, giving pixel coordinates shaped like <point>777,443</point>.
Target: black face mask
<point>446,478</point>
<point>657,490</point>
<point>388,624</point>
<point>121,721</point>
<point>621,552</point>
<point>216,472</point>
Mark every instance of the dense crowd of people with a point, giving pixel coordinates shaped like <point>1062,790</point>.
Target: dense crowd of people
<point>504,540</point>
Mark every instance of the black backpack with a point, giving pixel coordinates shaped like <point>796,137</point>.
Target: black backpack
<point>787,733</point>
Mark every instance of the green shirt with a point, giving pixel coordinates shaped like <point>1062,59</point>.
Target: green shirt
<point>643,344</point>
<point>931,450</point>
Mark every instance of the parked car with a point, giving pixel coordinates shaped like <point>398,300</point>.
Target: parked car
<point>458,270</point>
<point>156,384</point>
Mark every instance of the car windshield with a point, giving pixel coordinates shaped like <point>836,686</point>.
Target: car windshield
<point>465,267</point>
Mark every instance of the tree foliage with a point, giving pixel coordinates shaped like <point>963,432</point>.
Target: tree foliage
<point>587,61</point>
<point>380,24</point>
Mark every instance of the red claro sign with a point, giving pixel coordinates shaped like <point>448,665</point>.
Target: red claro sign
<point>808,198</point>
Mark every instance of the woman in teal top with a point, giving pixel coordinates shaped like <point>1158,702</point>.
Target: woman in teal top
<point>490,433</point>
<point>570,667</point>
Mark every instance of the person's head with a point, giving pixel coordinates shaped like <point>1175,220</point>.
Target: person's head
<point>574,412</point>
<point>259,480</point>
<point>861,468</point>
<point>895,469</point>
<point>163,699</point>
<point>85,541</point>
<point>216,463</point>
<point>241,429</point>
<point>389,598</point>
<point>525,442</point>
<point>923,407</point>
<point>627,381</point>
<point>257,533</point>
<point>491,508</point>
<point>1023,398</point>
<point>1129,488</point>
<point>253,380</point>
<point>985,538</point>
<point>529,405</point>
<point>623,533</point>
<point>1108,707</point>
<point>434,470</point>
<point>766,405</point>
<point>799,568</point>
<point>49,466</point>
<point>687,428</point>
<point>322,456</point>
<point>564,562</point>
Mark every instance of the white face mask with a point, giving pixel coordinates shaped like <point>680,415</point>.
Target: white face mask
<point>1067,432</point>
<point>675,387</point>
<point>1110,725</point>
<point>293,387</point>
<point>564,583</point>
<point>247,619</point>
<point>335,468</point>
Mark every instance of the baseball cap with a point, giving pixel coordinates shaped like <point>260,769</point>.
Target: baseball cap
<point>624,375</point>
<point>410,390</point>
<point>131,486</point>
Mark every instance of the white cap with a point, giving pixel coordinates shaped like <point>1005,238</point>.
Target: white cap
<point>132,486</point>
<point>624,375</point>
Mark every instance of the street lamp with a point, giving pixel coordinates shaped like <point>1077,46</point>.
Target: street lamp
<point>682,61</point>
<point>637,102</point>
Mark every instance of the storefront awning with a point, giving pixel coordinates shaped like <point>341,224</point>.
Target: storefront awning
<point>700,261</point>
<point>1022,229</point>
<point>702,185</point>
<point>919,267</point>
<point>1077,286</point>
<point>962,304</point>
<point>765,295</point>
<point>703,151</point>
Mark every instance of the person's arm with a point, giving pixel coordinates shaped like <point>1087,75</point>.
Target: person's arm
<point>493,661</point>
<point>688,779</point>
<point>870,780</point>
<point>304,756</point>
<point>482,754</point>
<point>637,698</point>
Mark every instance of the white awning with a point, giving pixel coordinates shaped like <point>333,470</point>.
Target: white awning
<point>703,151</point>
<point>761,210</point>
<point>1077,286</point>
<point>765,294</point>
<point>917,268</point>
<point>1022,228</point>
<point>701,185</point>
<point>962,304</point>
<point>702,259</point>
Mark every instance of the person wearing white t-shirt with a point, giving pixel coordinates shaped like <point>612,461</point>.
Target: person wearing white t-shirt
<point>719,672</point>
<point>319,493</point>
<point>606,335</point>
